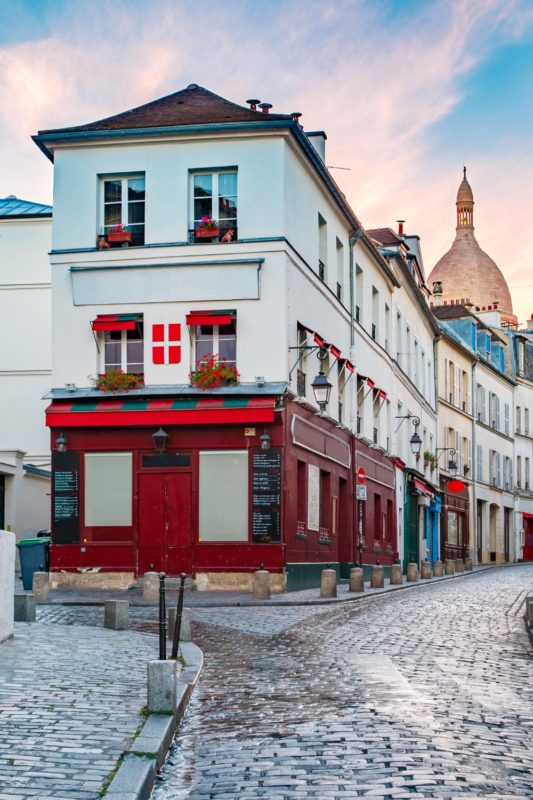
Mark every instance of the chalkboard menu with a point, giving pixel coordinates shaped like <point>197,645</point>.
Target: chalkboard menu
<point>65,498</point>
<point>266,495</point>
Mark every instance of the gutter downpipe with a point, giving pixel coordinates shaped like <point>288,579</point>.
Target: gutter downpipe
<point>354,238</point>
<point>474,462</point>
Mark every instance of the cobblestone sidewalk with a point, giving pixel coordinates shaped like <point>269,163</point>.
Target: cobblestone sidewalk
<point>70,698</point>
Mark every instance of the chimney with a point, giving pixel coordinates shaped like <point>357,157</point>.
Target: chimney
<point>253,103</point>
<point>437,293</point>
<point>318,140</point>
<point>400,227</point>
<point>265,107</point>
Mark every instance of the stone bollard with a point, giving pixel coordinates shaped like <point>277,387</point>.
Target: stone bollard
<point>459,565</point>
<point>41,587</point>
<point>396,577</point>
<point>468,565</point>
<point>161,684</point>
<point>449,566</point>
<point>116,615</point>
<point>377,579</point>
<point>24,608</point>
<point>151,587</point>
<point>412,572</point>
<point>261,587</point>
<point>529,610</point>
<point>357,580</point>
<point>328,583</point>
<point>425,569</point>
<point>185,632</point>
<point>438,569</point>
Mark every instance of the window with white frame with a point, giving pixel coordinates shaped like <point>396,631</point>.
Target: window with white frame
<point>122,350</point>
<point>122,203</point>
<point>220,340</point>
<point>108,489</point>
<point>223,500</point>
<point>214,195</point>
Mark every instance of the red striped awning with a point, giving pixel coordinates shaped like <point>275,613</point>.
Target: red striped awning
<point>382,394</point>
<point>210,318</point>
<point>421,488</point>
<point>116,322</point>
<point>140,411</point>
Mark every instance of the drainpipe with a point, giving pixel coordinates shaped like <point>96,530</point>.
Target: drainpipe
<point>474,459</point>
<point>354,238</point>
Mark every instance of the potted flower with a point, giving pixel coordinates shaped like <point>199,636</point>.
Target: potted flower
<point>119,233</point>
<point>212,372</point>
<point>117,381</point>
<point>207,229</point>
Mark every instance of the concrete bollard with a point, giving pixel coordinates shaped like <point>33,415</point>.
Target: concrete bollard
<point>438,569</point>
<point>412,572</point>
<point>161,686</point>
<point>151,587</point>
<point>24,608</point>
<point>468,565</point>
<point>459,565</point>
<point>357,580</point>
<point>328,583</point>
<point>377,579</point>
<point>396,577</point>
<point>41,587</point>
<point>116,615</point>
<point>425,569</point>
<point>449,566</point>
<point>529,610</point>
<point>261,588</point>
<point>185,632</point>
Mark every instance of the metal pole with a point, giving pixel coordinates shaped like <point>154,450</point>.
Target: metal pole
<point>179,613</point>
<point>162,619</point>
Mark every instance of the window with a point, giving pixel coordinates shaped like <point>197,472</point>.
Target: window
<point>375,313</point>
<point>506,418</point>
<point>358,294</point>
<point>123,204</point>
<point>223,502</point>
<point>518,419</point>
<point>479,463</point>
<point>322,247</point>
<point>387,327</point>
<point>122,350</point>
<point>519,471</point>
<point>108,489</point>
<point>214,195</point>
<point>526,421</point>
<point>340,269</point>
<point>399,343</point>
<point>218,339</point>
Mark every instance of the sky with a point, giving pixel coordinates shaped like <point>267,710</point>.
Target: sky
<point>407,91</point>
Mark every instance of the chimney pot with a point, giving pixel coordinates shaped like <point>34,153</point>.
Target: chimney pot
<point>253,103</point>
<point>265,107</point>
<point>295,116</point>
<point>401,223</point>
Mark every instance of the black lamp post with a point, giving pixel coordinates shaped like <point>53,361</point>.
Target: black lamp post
<point>322,390</point>
<point>160,438</point>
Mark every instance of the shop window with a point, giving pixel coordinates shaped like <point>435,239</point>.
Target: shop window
<point>122,203</point>
<point>325,500</point>
<point>218,339</point>
<point>122,350</point>
<point>302,495</point>
<point>108,489</point>
<point>223,502</point>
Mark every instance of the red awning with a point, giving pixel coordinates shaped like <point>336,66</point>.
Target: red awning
<point>421,488</point>
<point>140,411</point>
<point>526,515</point>
<point>335,352</point>
<point>210,317</point>
<point>116,322</point>
<point>382,394</point>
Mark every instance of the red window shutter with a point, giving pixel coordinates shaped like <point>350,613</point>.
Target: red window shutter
<point>174,354</point>
<point>158,333</point>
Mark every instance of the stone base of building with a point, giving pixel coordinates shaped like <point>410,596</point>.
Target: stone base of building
<point>91,580</point>
<point>236,581</point>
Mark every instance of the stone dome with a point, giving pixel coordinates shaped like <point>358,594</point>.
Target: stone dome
<point>466,272</point>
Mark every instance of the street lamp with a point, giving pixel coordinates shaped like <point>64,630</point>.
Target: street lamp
<point>415,441</point>
<point>265,440</point>
<point>160,438</point>
<point>321,389</point>
<point>61,443</point>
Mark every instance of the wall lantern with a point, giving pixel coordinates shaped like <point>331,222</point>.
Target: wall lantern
<point>322,390</point>
<point>61,443</point>
<point>160,438</point>
<point>265,440</point>
<point>415,441</point>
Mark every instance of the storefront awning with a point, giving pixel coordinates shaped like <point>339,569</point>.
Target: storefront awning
<point>526,515</point>
<point>121,412</point>
<point>116,322</point>
<point>210,317</point>
<point>421,488</point>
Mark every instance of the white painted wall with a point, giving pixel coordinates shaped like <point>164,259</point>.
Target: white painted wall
<point>7,584</point>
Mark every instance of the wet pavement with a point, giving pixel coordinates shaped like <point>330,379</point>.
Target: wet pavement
<point>424,693</point>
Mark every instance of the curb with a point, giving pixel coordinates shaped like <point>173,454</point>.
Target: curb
<point>140,763</point>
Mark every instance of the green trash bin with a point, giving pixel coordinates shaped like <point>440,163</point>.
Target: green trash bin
<point>34,557</point>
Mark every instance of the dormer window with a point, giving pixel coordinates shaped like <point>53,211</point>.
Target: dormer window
<point>122,204</point>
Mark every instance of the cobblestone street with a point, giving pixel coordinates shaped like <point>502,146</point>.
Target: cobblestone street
<point>423,693</point>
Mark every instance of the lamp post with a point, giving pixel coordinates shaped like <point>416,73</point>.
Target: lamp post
<point>322,390</point>
<point>160,439</point>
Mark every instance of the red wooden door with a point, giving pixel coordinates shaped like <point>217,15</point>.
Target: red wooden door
<point>528,539</point>
<point>165,522</point>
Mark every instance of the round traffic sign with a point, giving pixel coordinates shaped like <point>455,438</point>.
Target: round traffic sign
<point>361,477</point>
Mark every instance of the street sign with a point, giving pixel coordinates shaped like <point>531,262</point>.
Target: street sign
<point>455,486</point>
<point>361,477</point>
<point>360,492</point>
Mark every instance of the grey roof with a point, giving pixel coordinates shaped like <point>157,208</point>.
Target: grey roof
<point>170,390</point>
<point>12,206</point>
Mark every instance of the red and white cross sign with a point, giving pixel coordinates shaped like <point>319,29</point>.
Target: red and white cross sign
<point>166,343</point>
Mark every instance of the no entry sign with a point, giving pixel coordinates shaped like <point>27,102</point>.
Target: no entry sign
<point>361,476</point>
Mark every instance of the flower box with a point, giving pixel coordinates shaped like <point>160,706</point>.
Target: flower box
<point>206,233</point>
<point>119,236</point>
